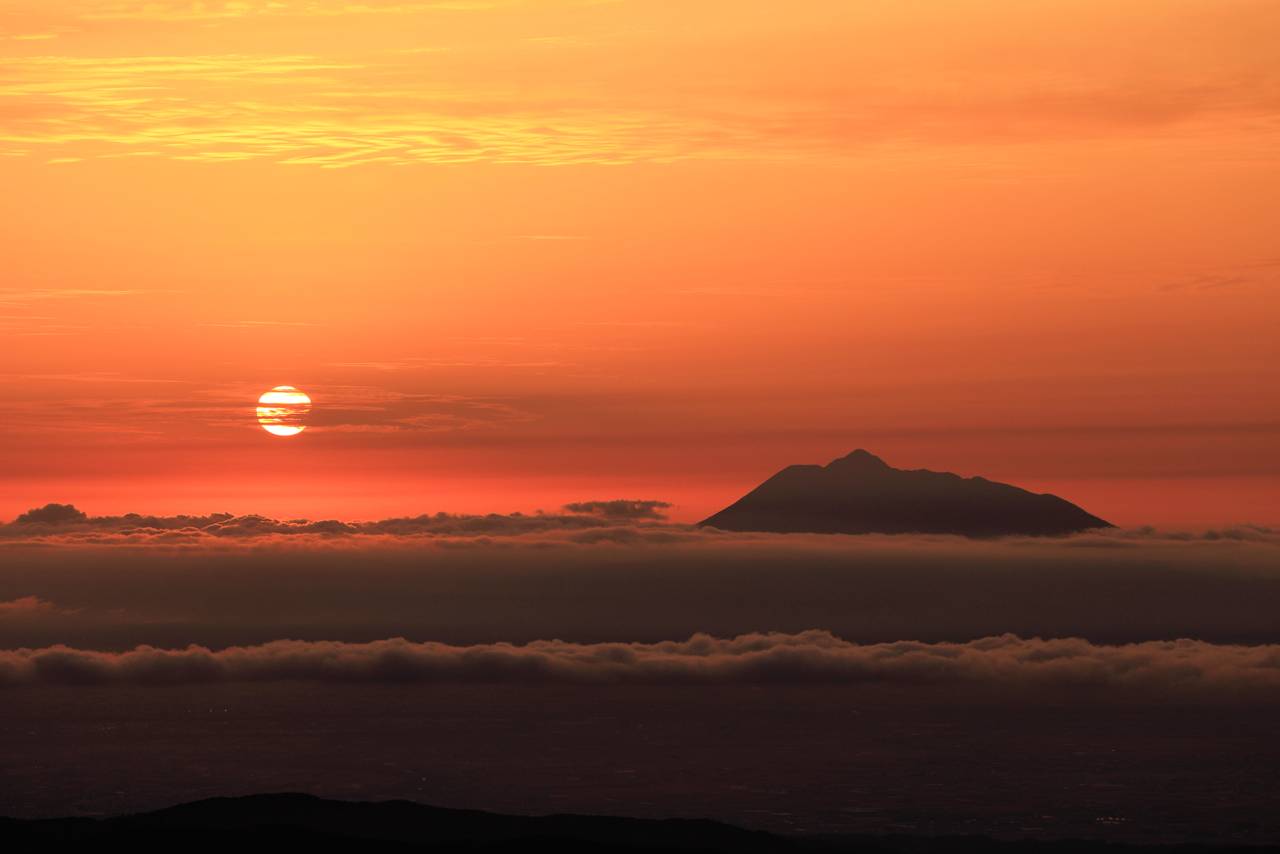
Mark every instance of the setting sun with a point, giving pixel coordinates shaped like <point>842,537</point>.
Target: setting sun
<point>281,411</point>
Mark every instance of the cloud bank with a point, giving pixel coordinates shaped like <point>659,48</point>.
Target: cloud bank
<point>1181,667</point>
<point>623,520</point>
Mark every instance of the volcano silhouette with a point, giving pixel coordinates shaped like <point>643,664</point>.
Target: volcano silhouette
<point>862,494</point>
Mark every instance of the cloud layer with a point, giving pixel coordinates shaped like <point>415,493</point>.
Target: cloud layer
<point>624,520</point>
<point>585,522</point>
<point>1181,667</point>
<point>612,572</point>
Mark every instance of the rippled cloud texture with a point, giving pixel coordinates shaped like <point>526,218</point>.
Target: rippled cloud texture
<point>336,84</point>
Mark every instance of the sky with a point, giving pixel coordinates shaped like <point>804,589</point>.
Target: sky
<point>525,253</point>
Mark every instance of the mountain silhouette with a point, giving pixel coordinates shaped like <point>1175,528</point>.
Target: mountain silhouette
<point>862,494</point>
<point>296,822</point>
<point>306,823</point>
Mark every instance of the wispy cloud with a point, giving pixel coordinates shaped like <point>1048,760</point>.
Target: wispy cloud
<point>32,312</point>
<point>257,324</point>
<point>339,409</point>
<point>426,363</point>
<point>215,10</point>
<point>1256,275</point>
<point>29,607</point>
<point>93,377</point>
<point>28,296</point>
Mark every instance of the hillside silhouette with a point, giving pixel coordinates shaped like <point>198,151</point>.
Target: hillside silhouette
<point>307,823</point>
<point>862,494</point>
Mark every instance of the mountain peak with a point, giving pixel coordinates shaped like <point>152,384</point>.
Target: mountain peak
<point>860,458</point>
<point>862,494</point>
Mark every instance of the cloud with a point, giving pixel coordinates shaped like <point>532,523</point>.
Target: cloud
<point>176,11</point>
<point>52,514</point>
<point>257,324</point>
<point>520,95</point>
<point>620,509</point>
<point>223,580</point>
<point>366,409</point>
<point>30,295</point>
<point>583,522</point>
<point>305,110</point>
<point>619,520</point>
<point>27,606</point>
<point>342,408</point>
<point>1166,668</point>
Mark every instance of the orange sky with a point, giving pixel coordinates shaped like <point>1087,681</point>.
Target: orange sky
<point>520,253</point>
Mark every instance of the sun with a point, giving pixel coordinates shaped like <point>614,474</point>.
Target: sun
<point>281,410</point>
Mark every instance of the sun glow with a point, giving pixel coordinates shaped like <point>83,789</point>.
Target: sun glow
<point>281,411</point>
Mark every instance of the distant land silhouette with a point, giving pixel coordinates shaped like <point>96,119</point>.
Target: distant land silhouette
<point>862,494</point>
<point>298,822</point>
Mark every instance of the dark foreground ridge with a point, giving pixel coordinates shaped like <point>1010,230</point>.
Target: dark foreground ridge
<point>861,494</point>
<point>297,822</point>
